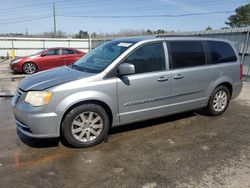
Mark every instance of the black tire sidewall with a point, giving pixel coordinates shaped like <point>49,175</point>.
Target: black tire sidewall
<point>69,118</point>
<point>210,107</point>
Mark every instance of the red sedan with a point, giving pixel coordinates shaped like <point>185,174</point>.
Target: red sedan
<point>46,59</point>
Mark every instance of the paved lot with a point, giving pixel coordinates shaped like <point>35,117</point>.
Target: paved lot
<point>186,150</point>
<point>8,80</point>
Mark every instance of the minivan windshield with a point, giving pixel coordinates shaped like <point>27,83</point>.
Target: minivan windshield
<point>102,56</point>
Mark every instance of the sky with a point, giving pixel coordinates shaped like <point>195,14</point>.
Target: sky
<point>107,16</point>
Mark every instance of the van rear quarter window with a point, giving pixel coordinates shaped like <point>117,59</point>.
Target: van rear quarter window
<point>187,54</point>
<point>221,52</point>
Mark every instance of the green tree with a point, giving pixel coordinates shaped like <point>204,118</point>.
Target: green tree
<point>160,31</point>
<point>149,32</point>
<point>209,28</point>
<point>225,28</point>
<point>94,35</point>
<point>82,34</point>
<point>241,18</point>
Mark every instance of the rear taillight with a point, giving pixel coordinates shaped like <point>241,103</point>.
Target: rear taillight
<point>241,71</point>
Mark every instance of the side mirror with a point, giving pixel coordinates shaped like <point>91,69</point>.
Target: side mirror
<point>126,69</point>
<point>43,54</point>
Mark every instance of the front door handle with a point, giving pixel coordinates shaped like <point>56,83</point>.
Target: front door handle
<point>162,79</point>
<point>178,76</point>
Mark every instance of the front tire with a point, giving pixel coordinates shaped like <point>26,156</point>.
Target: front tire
<point>218,101</point>
<point>86,125</point>
<point>29,68</point>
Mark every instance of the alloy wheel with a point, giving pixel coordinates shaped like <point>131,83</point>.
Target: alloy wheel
<point>87,126</point>
<point>220,101</point>
<point>29,68</point>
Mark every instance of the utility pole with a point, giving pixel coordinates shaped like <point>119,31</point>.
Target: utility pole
<point>26,32</point>
<point>54,16</point>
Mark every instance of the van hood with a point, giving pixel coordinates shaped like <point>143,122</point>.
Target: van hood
<point>49,78</point>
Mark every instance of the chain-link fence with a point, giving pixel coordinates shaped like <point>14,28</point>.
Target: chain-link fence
<point>246,72</point>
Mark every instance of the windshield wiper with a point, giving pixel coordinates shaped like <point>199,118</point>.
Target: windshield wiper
<point>73,66</point>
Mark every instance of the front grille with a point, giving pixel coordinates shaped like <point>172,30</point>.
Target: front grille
<point>17,96</point>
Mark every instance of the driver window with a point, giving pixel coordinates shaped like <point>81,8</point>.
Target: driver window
<point>53,52</point>
<point>148,58</point>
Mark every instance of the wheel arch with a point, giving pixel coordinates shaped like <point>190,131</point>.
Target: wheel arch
<point>228,86</point>
<point>227,82</point>
<point>210,109</point>
<point>97,102</point>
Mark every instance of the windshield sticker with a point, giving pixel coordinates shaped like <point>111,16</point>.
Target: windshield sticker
<point>124,44</point>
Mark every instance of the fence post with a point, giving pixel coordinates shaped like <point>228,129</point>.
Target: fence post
<point>245,46</point>
<point>12,51</point>
<point>90,42</point>
<point>244,52</point>
<point>43,44</point>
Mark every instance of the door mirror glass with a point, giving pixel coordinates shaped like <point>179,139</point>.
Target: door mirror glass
<point>126,69</point>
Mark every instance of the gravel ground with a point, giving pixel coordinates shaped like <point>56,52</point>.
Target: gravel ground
<point>8,80</point>
<point>184,150</point>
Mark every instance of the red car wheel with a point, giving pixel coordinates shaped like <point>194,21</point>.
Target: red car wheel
<point>29,68</point>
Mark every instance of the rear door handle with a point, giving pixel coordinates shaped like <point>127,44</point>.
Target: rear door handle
<point>162,79</point>
<point>178,76</point>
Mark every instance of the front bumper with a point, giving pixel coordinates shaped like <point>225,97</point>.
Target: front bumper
<point>15,68</point>
<point>36,123</point>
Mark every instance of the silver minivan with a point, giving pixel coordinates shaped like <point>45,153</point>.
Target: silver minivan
<point>124,81</point>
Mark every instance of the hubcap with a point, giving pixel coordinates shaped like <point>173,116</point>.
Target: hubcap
<point>220,101</point>
<point>87,126</point>
<point>29,68</point>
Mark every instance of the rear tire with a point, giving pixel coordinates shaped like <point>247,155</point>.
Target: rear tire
<point>218,101</point>
<point>29,68</point>
<point>86,125</point>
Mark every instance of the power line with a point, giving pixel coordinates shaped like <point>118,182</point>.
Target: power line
<point>25,20</point>
<point>33,8</point>
<point>36,5</point>
<point>91,4</point>
<point>120,10</point>
<point>24,7</point>
<point>85,4</point>
<point>25,11</point>
<point>21,18</point>
<point>108,4</point>
<point>146,16</point>
<point>117,16</point>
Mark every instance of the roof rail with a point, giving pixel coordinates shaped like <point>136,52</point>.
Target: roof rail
<point>177,35</point>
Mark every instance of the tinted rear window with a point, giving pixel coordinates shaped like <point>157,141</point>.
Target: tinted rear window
<point>221,52</point>
<point>187,54</point>
<point>67,51</point>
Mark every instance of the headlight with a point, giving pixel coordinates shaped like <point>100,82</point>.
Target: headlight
<point>38,98</point>
<point>16,61</point>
